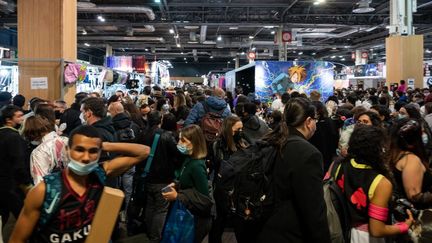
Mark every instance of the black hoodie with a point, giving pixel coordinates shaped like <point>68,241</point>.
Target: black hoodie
<point>106,130</point>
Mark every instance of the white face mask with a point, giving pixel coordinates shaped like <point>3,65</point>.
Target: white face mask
<point>81,117</point>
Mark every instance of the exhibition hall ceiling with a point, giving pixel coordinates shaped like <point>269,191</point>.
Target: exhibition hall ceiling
<point>220,30</point>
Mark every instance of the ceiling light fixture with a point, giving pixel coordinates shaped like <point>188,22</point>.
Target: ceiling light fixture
<point>211,57</point>
<point>363,7</point>
<point>176,36</point>
<point>243,53</point>
<point>184,58</point>
<point>333,57</point>
<point>300,53</point>
<point>157,1</point>
<point>146,49</point>
<point>343,59</point>
<point>229,62</point>
<point>178,45</point>
<point>101,19</point>
<point>428,51</point>
<point>219,38</point>
<point>233,28</point>
<point>273,32</point>
<point>251,37</point>
<point>253,48</point>
<point>84,32</point>
<point>87,44</point>
<point>181,53</point>
<point>313,53</point>
<point>171,31</point>
<point>318,2</point>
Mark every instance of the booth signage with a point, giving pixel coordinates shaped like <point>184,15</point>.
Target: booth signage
<point>39,83</point>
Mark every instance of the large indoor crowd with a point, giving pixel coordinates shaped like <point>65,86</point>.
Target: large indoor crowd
<point>177,145</point>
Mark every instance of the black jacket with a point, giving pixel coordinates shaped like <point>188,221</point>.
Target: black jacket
<point>107,132</point>
<point>300,215</point>
<point>254,128</point>
<point>121,122</point>
<point>166,159</point>
<point>200,206</point>
<point>326,139</point>
<point>13,171</point>
<point>71,118</point>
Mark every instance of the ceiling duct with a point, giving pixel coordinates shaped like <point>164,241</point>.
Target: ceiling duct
<point>363,7</point>
<point>203,33</point>
<point>327,35</point>
<point>118,9</point>
<point>192,38</point>
<point>85,4</point>
<point>146,29</point>
<point>122,38</point>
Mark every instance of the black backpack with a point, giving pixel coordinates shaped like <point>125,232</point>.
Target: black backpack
<point>125,134</point>
<point>246,181</point>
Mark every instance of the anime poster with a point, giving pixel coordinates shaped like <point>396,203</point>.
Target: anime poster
<point>303,76</point>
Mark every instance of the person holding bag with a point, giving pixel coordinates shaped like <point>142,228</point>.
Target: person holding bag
<point>191,189</point>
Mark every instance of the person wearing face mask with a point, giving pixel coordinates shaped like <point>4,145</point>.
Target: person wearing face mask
<point>161,173</point>
<point>231,140</point>
<point>191,189</point>
<point>410,164</point>
<point>297,180</point>
<point>71,116</point>
<point>50,152</point>
<point>81,185</point>
<point>14,172</point>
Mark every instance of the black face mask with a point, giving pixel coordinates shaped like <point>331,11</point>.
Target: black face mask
<point>238,135</point>
<point>58,114</point>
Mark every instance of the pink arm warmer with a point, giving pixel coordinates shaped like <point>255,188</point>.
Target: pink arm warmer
<point>377,212</point>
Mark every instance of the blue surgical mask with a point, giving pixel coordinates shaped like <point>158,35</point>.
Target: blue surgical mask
<point>425,138</point>
<point>182,149</point>
<point>81,168</point>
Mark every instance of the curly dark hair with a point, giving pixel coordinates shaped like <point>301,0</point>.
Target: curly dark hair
<point>406,135</point>
<point>375,119</point>
<point>367,145</point>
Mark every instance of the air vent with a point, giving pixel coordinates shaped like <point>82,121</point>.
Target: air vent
<point>363,7</point>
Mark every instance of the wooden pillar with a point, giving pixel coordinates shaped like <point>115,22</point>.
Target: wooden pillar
<point>404,59</point>
<point>46,30</point>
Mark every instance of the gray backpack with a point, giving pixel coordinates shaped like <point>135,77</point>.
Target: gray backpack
<point>337,207</point>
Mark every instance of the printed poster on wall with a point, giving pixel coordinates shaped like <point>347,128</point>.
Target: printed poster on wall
<point>302,76</point>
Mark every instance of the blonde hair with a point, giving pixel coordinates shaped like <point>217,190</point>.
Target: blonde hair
<point>299,70</point>
<point>195,135</point>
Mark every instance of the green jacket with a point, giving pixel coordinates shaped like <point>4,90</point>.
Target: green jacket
<point>193,174</point>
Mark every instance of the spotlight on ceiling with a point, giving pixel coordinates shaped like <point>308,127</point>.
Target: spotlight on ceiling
<point>171,31</point>
<point>363,7</point>
<point>87,44</point>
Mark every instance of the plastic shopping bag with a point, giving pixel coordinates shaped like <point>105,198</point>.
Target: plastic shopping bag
<point>179,226</point>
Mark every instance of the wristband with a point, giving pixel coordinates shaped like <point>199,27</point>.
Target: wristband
<point>403,227</point>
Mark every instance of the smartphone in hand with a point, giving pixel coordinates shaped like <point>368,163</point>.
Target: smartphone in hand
<point>166,189</point>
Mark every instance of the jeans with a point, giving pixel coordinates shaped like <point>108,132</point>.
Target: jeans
<point>127,185</point>
<point>156,211</point>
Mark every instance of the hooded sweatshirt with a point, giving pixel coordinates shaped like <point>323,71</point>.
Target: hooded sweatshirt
<point>254,128</point>
<point>215,104</point>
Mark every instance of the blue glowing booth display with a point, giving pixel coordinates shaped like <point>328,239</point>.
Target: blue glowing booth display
<point>304,76</point>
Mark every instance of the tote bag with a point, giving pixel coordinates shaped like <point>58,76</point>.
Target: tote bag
<point>179,226</point>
